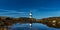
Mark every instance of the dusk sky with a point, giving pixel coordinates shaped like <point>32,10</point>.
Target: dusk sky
<point>21,8</point>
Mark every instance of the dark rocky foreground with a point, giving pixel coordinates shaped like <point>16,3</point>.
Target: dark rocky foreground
<point>51,21</point>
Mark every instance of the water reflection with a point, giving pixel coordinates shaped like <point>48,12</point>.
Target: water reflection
<point>35,26</point>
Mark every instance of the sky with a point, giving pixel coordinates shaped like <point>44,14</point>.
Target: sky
<point>22,8</point>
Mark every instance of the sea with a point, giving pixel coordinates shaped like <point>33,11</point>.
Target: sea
<point>35,26</point>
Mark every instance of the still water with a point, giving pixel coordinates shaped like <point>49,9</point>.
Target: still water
<point>35,26</point>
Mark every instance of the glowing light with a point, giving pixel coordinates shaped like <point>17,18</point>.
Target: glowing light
<point>54,21</point>
<point>30,24</point>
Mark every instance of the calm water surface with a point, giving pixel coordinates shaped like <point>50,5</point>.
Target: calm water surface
<point>35,26</point>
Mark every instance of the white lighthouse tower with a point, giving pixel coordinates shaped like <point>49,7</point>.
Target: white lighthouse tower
<point>30,16</point>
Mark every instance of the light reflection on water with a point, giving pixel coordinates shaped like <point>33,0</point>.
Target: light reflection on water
<point>35,26</point>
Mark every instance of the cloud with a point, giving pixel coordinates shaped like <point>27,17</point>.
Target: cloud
<point>9,11</point>
<point>12,13</point>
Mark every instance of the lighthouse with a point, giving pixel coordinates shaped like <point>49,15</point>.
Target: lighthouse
<point>30,16</point>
